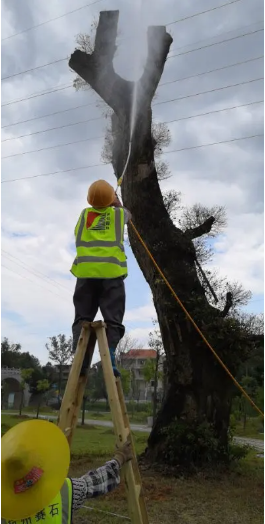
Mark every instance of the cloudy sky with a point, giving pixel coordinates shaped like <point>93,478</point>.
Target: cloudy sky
<point>41,111</point>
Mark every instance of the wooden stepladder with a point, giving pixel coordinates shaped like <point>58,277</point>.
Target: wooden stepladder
<point>72,400</point>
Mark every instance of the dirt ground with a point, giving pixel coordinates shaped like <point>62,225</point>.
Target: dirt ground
<point>234,498</point>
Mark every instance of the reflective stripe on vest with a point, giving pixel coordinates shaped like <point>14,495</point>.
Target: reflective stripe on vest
<point>96,257</point>
<point>59,511</point>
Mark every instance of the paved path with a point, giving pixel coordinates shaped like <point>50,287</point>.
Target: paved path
<point>254,443</point>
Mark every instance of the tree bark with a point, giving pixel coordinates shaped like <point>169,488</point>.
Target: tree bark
<point>198,388</point>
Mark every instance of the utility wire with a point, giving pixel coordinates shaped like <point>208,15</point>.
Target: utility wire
<point>213,112</point>
<point>96,2</point>
<point>216,43</point>
<point>156,103</point>
<point>54,147</point>
<point>34,68</point>
<point>46,116</point>
<point>53,129</point>
<point>165,122</point>
<point>32,270</point>
<point>209,91</point>
<point>213,143</point>
<point>212,70</point>
<point>70,85</point>
<point>160,85</point>
<point>203,12</point>
<point>57,172</point>
<point>171,56</point>
<point>107,163</point>
<point>32,281</point>
<point>50,20</point>
<point>245,26</point>
<point>39,93</point>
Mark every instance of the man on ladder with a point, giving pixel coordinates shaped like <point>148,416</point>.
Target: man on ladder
<point>100,264</point>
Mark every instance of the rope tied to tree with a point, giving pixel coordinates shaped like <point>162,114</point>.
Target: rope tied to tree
<point>241,389</point>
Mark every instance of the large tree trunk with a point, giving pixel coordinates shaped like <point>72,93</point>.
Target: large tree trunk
<point>198,390</point>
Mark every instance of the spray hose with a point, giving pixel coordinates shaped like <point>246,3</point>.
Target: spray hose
<point>126,165</point>
<point>241,389</point>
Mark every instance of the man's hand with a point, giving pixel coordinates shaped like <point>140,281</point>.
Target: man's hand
<point>116,202</point>
<point>123,453</point>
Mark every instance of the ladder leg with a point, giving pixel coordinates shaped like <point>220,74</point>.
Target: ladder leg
<point>133,486</point>
<point>77,381</point>
<point>136,470</point>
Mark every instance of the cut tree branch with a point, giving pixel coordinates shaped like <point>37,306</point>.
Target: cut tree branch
<point>228,304</point>
<point>97,68</point>
<point>98,71</point>
<point>200,230</point>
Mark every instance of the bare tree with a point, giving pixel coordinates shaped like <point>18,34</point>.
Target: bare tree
<point>198,389</point>
<point>126,344</point>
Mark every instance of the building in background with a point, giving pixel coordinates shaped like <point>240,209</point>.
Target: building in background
<point>135,360</point>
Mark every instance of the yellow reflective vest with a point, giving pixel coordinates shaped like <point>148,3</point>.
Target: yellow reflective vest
<point>99,244</point>
<point>59,511</point>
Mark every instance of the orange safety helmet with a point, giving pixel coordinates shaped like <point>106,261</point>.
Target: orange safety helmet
<point>101,194</point>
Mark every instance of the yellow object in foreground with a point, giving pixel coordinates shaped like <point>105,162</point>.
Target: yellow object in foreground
<point>35,458</point>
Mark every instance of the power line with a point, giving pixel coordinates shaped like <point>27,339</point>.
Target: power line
<point>32,281</point>
<point>34,68</point>
<point>160,85</point>
<point>213,143</point>
<point>212,112</point>
<point>216,43</point>
<point>165,122</point>
<point>50,20</point>
<point>156,103</point>
<point>67,86</point>
<point>53,147</point>
<point>218,35</point>
<point>39,93</point>
<point>211,71</point>
<point>171,56</point>
<point>35,272</point>
<point>203,12</point>
<point>46,116</point>
<point>107,163</point>
<point>57,172</point>
<point>209,91</point>
<point>53,128</point>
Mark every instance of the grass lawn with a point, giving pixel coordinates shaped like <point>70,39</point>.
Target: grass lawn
<point>232,498</point>
<point>253,429</point>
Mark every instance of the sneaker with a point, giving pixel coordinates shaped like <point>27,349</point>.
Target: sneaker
<point>112,358</point>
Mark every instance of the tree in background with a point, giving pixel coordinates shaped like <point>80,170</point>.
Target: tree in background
<point>10,354</point>
<point>155,342</point>
<point>42,387</point>
<point>26,375</point>
<point>199,392</point>
<point>125,345</point>
<point>60,352</point>
<point>125,380</point>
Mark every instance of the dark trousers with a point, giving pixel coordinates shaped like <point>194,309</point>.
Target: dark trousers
<point>108,295</point>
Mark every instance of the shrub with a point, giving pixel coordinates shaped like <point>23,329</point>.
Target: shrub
<point>192,444</point>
